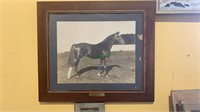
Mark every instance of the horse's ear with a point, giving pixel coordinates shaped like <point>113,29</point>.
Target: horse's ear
<point>117,33</point>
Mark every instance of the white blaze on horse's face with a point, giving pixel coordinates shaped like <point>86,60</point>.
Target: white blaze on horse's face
<point>119,39</point>
<point>140,37</point>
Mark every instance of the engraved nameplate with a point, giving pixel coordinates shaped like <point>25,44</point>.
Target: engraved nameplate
<point>97,94</point>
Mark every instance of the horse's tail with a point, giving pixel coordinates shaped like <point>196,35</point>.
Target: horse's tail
<point>71,57</point>
<point>70,61</point>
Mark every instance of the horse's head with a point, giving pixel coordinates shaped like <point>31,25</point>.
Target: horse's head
<point>118,38</point>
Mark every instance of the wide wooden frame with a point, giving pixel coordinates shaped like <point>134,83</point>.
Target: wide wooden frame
<point>146,94</point>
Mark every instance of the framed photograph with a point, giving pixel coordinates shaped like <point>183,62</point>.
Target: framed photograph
<point>185,100</point>
<point>96,51</point>
<point>178,6</point>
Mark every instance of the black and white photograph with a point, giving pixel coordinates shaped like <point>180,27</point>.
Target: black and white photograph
<point>96,51</point>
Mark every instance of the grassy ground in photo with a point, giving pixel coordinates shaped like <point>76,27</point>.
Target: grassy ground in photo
<point>120,66</point>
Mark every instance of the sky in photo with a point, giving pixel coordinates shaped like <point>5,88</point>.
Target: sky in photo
<point>93,32</point>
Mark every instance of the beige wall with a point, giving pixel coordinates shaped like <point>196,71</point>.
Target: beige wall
<point>177,64</point>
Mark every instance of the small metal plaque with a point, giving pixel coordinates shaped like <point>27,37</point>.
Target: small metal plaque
<point>97,94</point>
<point>89,107</point>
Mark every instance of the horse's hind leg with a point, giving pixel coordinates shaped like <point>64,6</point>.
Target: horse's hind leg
<point>69,73</point>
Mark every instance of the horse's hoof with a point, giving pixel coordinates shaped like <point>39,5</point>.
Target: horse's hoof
<point>98,74</point>
<point>106,76</point>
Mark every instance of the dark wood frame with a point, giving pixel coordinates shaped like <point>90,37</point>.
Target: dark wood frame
<point>45,8</point>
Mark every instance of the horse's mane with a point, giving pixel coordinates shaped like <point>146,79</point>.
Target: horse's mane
<point>108,38</point>
<point>129,38</point>
<point>130,35</point>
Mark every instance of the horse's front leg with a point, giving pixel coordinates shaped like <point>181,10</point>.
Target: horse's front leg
<point>76,67</point>
<point>76,70</point>
<point>99,69</point>
<point>105,68</point>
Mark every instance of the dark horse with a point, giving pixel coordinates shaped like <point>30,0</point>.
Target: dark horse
<point>95,51</point>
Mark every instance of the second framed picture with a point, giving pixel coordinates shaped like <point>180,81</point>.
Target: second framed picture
<point>96,51</point>
<point>178,6</point>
